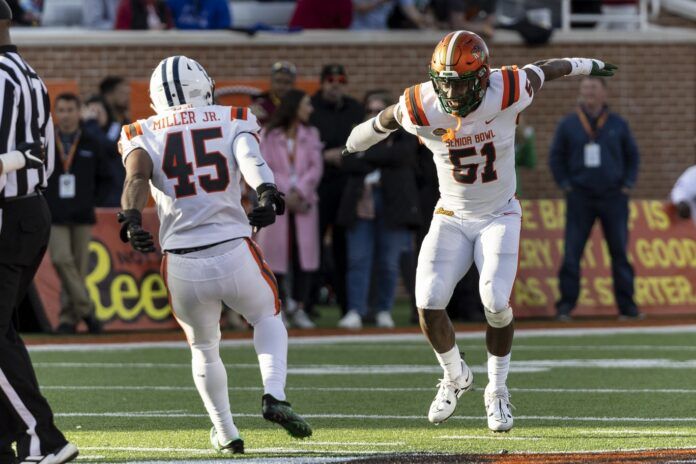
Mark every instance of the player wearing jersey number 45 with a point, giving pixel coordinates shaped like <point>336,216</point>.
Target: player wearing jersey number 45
<point>466,115</point>
<point>192,156</point>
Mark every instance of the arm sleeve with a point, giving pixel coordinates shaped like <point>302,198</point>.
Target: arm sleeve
<point>631,158</point>
<point>247,153</point>
<point>558,158</point>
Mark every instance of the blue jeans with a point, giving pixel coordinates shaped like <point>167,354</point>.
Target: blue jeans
<point>581,213</point>
<point>369,240</point>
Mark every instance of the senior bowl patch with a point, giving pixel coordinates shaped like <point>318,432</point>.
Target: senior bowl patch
<point>439,132</point>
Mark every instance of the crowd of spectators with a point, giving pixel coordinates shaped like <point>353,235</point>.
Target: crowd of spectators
<point>475,15</point>
<point>533,19</point>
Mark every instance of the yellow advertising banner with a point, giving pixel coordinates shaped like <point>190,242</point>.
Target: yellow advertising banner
<point>129,293</point>
<point>662,250</point>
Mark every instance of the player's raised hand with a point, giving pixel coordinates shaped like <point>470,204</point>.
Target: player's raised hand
<point>602,69</point>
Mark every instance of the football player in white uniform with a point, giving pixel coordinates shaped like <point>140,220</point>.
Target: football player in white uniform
<point>466,115</point>
<point>191,155</point>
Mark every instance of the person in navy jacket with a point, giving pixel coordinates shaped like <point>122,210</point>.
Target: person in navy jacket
<point>594,159</point>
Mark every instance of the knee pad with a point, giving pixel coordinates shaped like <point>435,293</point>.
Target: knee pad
<point>499,319</point>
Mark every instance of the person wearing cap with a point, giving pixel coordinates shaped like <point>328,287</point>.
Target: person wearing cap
<point>335,114</point>
<point>283,75</point>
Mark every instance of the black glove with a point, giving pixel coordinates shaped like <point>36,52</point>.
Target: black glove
<point>271,204</point>
<point>683,210</point>
<point>33,153</point>
<point>132,231</point>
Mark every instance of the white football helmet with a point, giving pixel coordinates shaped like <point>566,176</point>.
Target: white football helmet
<point>179,80</point>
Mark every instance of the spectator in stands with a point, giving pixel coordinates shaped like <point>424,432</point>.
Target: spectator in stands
<point>71,195</point>
<point>683,194</point>
<point>115,92</point>
<point>594,159</point>
<point>99,14</point>
<point>320,14</point>
<point>292,150</point>
<point>25,13</point>
<point>283,75</point>
<point>201,14</point>
<point>379,209</point>
<point>335,114</point>
<point>373,14</point>
<point>153,15</point>
<point>472,15</point>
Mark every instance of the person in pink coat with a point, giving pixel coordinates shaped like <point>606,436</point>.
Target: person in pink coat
<point>292,150</point>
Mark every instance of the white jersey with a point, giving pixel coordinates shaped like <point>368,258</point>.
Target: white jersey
<point>684,190</point>
<point>196,180</point>
<point>474,155</point>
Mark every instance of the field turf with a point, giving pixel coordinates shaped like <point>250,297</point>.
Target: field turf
<point>576,391</point>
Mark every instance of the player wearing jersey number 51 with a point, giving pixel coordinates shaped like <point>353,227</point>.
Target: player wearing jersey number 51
<point>192,156</point>
<point>466,115</point>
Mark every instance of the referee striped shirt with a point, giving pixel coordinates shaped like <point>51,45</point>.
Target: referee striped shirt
<point>25,117</point>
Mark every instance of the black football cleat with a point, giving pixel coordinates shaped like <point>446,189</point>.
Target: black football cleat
<point>282,414</point>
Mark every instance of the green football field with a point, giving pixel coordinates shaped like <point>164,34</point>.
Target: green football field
<point>579,390</point>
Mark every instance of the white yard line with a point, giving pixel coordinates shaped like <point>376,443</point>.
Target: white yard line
<point>140,388</point>
<point>332,339</point>
<point>201,451</point>
<point>488,437</point>
<point>633,432</point>
<point>311,369</point>
<point>522,366</point>
<point>138,415</point>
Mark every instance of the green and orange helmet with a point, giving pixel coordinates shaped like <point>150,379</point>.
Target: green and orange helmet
<point>459,71</point>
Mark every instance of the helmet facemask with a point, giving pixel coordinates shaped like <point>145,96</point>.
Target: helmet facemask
<point>460,95</point>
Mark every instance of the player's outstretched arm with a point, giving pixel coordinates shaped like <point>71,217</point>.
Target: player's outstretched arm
<point>548,70</point>
<point>372,131</point>
<point>136,190</point>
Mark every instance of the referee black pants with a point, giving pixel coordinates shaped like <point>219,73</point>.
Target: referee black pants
<point>25,416</point>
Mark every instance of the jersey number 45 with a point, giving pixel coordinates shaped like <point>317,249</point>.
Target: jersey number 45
<point>175,163</point>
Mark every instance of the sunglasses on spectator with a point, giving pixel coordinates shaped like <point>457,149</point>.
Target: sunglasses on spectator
<point>341,79</point>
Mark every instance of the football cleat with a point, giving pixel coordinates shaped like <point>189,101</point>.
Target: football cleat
<point>445,401</point>
<point>498,410</point>
<point>65,453</point>
<point>281,413</point>
<point>235,446</point>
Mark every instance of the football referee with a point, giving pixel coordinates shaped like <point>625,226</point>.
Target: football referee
<point>26,136</point>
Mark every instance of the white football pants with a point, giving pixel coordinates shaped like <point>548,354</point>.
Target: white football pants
<point>234,273</point>
<point>453,243</point>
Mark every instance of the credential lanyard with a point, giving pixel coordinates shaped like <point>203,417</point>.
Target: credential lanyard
<point>592,133</point>
<point>67,160</point>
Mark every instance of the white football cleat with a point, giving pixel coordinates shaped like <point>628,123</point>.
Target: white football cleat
<point>445,401</point>
<point>498,410</point>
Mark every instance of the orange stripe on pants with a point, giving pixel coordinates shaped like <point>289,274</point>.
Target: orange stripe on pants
<point>266,272</point>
